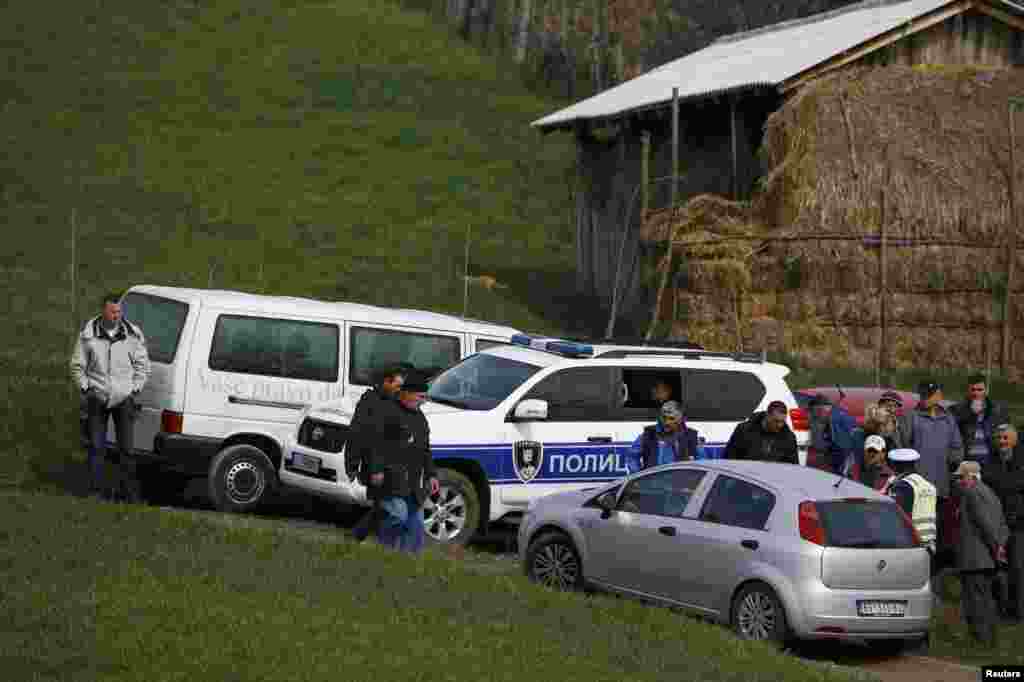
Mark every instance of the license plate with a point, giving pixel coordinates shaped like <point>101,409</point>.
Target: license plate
<point>885,609</point>
<point>306,462</point>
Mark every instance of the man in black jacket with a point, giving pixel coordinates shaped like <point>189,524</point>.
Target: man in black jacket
<point>765,436</point>
<point>402,469</point>
<point>978,416</point>
<point>362,437</point>
<point>1005,475</point>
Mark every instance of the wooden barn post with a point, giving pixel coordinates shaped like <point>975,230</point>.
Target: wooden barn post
<point>671,213</point>
<point>883,294</point>
<point>1011,230</point>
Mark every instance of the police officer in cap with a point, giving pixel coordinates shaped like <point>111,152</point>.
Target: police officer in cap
<point>916,495</point>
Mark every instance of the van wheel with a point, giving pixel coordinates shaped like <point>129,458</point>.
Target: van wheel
<point>757,614</point>
<point>453,515</point>
<point>240,478</point>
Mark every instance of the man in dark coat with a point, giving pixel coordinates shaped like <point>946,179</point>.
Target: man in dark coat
<point>832,433</point>
<point>978,416</point>
<point>670,440</point>
<point>402,469</point>
<point>983,535</point>
<point>765,436</point>
<point>1005,475</point>
<point>362,436</point>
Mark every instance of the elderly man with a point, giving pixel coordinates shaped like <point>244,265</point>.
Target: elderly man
<point>1005,475</point>
<point>765,436</point>
<point>670,440</point>
<point>983,536</point>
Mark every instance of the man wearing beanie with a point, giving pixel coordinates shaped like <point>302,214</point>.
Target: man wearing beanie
<point>765,436</point>
<point>670,440</point>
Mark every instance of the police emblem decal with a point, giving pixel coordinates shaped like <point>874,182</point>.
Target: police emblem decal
<point>527,457</point>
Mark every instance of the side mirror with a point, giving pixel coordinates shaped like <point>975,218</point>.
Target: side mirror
<point>607,503</point>
<point>531,410</point>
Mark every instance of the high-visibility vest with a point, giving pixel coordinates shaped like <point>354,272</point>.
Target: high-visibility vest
<point>923,514</point>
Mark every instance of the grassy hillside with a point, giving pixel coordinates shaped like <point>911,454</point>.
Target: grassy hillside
<point>170,597</point>
<point>328,149</point>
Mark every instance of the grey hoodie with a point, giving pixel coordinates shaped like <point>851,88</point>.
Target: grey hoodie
<point>116,368</point>
<point>938,441</point>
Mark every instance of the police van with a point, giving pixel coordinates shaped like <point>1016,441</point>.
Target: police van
<point>513,423</point>
<point>232,371</point>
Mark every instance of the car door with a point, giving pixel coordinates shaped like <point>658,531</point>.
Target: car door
<point>575,445</point>
<point>716,401</point>
<point>634,548</point>
<point>730,531</point>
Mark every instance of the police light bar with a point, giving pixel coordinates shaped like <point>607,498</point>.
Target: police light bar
<point>560,346</point>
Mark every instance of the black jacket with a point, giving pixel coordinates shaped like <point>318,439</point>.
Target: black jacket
<point>995,415</point>
<point>402,453</point>
<point>1007,480</point>
<point>362,432</point>
<point>750,440</point>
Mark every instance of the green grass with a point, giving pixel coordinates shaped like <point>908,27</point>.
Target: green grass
<point>951,639</point>
<point>330,149</point>
<point>100,592</point>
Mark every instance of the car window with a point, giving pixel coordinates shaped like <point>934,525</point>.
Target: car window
<point>161,321</point>
<point>638,402</point>
<point>737,503</point>
<point>375,348</point>
<point>484,344</point>
<point>578,393</point>
<point>854,523</point>
<point>480,382</point>
<point>290,349</point>
<point>663,493</point>
<point>721,396</point>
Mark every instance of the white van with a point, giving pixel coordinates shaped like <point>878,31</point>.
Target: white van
<point>232,371</point>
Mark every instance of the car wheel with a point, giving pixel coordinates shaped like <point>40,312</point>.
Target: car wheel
<point>552,561</point>
<point>757,614</point>
<point>240,478</point>
<point>452,517</point>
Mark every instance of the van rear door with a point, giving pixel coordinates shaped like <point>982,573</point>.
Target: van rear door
<point>166,324</point>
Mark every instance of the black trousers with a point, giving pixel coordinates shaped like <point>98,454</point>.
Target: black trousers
<point>1015,573</point>
<point>112,471</point>
<point>978,604</point>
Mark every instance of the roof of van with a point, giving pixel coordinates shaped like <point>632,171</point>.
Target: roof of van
<point>239,300</point>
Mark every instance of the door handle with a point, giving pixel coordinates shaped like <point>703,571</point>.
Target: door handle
<point>235,400</point>
<point>667,530</point>
<point>750,544</point>
<point>599,439</point>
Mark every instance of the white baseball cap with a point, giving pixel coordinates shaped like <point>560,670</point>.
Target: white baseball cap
<point>874,442</point>
<point>904,455</point>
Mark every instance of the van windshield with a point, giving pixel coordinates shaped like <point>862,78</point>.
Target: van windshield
<point>161,321</point>
<point>480,382</point>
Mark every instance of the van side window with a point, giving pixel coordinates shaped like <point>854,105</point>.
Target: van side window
<point>161,320</point>
<point>639,402</point>
<point>290,349</point>
<point>375,348</point>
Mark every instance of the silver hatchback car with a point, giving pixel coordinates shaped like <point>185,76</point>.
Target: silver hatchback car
<point>776,551</point>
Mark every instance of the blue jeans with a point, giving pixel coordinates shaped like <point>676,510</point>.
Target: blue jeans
<point>400,524</point>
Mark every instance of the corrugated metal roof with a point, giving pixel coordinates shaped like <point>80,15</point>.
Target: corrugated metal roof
<point>763,57</point>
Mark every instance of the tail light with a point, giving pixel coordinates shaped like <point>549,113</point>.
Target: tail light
<point>810,524</point>
<point>910,524</point>
<point>171,422</point>
<point>801,421</point>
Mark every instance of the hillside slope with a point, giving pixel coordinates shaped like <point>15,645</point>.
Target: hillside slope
<point>327,149</point>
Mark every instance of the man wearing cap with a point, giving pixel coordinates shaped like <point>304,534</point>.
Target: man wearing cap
<point>978,416</point>
<point>872,470</point>
<point>832,430</point>
<point>913,493</point>
<point>983,536</point>
<point>670,440</point>
<point>885,418</point>
<point>402,470</point>
<point>1005,475</point>
<point>765,436</point>
<point>934,433</point>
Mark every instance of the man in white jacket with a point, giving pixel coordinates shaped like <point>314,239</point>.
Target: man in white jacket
<point>110,365</point>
